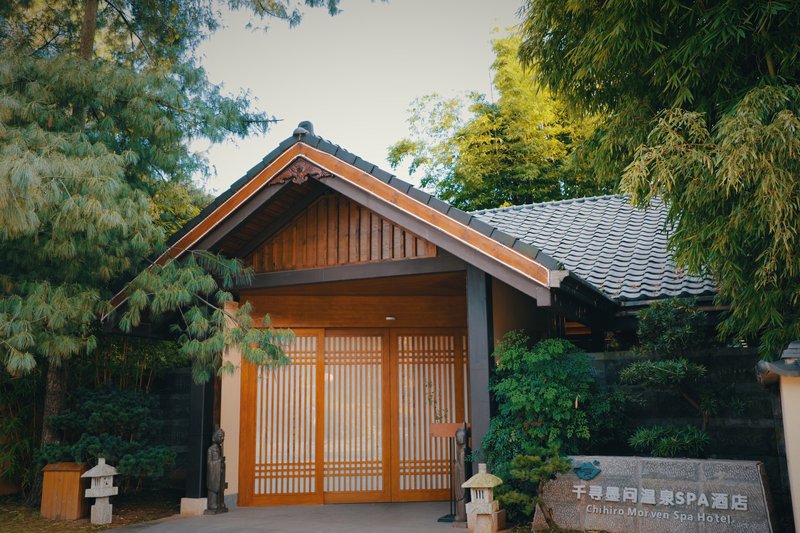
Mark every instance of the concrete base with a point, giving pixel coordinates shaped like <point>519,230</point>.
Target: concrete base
<point>232,501</point>
<point>193,506</point>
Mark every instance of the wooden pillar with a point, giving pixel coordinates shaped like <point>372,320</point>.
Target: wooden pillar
<point>481,346</point>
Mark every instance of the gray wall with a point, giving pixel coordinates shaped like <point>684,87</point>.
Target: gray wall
<point>747,425</point>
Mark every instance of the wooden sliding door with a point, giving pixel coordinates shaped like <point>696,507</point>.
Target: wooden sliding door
<point>356,446</point>
<point>281,427</point>
<point>349,419</point>
<point>429,388</point>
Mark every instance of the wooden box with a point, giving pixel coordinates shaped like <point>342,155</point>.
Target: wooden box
<point>63,491</point>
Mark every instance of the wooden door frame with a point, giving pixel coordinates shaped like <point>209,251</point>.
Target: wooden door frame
<point>390,420</point>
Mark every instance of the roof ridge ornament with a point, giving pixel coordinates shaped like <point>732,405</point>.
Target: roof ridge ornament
<point>299,171</point>
<point>304,128</point>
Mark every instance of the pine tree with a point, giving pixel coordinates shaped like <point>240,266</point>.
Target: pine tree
<point>98,102</point>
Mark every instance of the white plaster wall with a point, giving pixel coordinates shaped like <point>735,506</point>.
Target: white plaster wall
<point>231,394</point>
<point>790,403</point>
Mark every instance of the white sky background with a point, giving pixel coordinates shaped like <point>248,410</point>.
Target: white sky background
<point>353,75</point>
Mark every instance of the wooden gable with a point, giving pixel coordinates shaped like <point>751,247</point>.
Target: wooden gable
<point>335,230</point>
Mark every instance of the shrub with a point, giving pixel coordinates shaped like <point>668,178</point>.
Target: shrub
<point>670,441</point>
<point>117,424</point>
<point>667,330</point>
<point>548,406</point>
<point>671,327</point>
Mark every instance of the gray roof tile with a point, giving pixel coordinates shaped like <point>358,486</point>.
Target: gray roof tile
<point>616,247</point>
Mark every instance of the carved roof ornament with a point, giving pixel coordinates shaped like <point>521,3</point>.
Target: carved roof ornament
<point>299,171</point>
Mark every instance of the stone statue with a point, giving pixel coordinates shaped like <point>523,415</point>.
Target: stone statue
<point>460,474</point>
<point>215,475</point>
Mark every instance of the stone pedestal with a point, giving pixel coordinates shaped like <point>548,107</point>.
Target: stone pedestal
<point>193,506</point>
<point>486,522</point>
<point>101,511</point>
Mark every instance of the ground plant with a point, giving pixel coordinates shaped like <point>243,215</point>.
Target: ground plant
<point>549,405</point>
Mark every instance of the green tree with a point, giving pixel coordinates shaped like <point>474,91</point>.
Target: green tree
<point>476,153</point>
<point>98,102</point>
<point>548,405</point>
<point>700,101</point>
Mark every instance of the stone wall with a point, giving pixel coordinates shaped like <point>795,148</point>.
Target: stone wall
<point>747,425</point>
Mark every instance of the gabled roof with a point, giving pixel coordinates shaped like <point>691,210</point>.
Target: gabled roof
<point>620,249</point>
<point>337,151</point>
<point>306,156</point>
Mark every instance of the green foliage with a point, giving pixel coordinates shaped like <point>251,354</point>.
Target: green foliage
<point>96,164</point>
<point>670,441</point>
<point>195,287</point>
<point>634,60</point>
<point>526,476</point>
<point>700,104</point>
<point>127,362</point>
<point>734,199</point>
<point>671,326</point>
<point>548,405</point>
<point>19,399</point>
<point>667,330</point>
<point>669,373</point>
<point>117,424</point>
<point>476,153</point>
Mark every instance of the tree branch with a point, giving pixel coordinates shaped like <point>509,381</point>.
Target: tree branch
<point>131,29</point>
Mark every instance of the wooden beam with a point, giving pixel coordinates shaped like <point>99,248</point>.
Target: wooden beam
<point>317,190</point>
<point>201,399</point>
<point>481,347</point>
<point>443,263</point>
<point>237,217</point>
<point>433,234</point>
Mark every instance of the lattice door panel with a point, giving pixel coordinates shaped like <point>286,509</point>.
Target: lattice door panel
<point>286,448</point>
<point>429,385</point>
<point>356,432</point>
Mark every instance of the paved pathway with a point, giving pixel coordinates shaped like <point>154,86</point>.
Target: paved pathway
<point>352,518</point>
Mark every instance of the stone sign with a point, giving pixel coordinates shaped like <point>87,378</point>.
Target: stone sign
<point>645,494</point>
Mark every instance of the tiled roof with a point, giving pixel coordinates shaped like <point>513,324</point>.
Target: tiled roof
<point>618,248</point>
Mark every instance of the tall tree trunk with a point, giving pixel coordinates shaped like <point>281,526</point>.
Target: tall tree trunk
<point>55,392</point>
<point>54,400</point>
<point>88,28</point>
<point>56,386</point>
<point>87,46</point>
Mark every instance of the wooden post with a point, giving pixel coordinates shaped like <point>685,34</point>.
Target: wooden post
<point>481,346</point>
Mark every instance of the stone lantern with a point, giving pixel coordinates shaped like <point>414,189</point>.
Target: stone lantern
<point>483,512</point>
<point>102,488</point>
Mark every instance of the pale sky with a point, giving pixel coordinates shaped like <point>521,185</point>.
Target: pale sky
<point>353,75</point>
